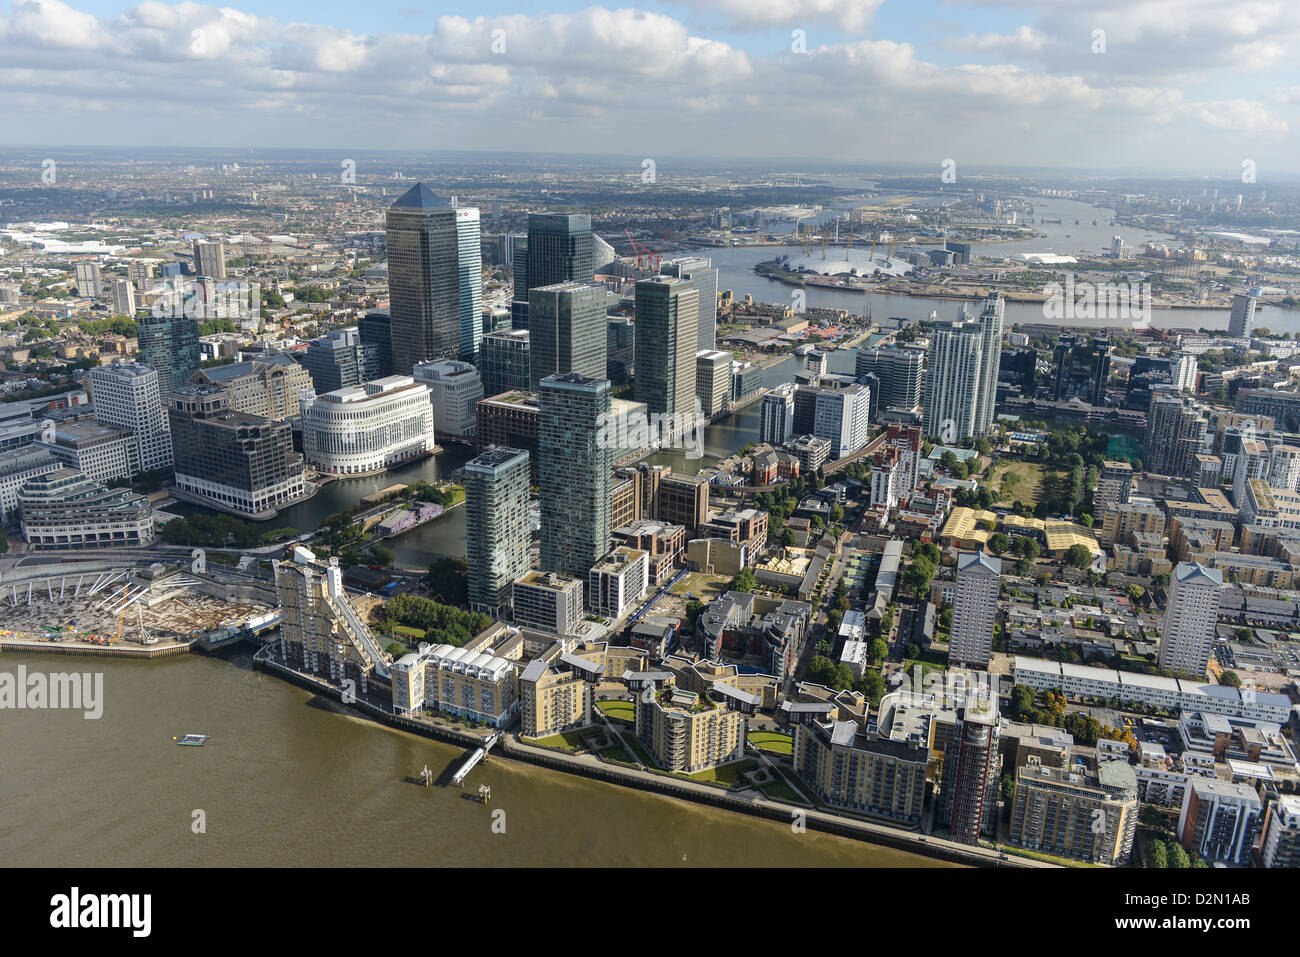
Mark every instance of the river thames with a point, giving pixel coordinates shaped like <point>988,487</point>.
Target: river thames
<point>287,779</point>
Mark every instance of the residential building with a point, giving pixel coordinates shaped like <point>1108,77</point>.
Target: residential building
<point>1176,432</point>
<point>776,415</point>
<point>687,732</point>
<point>320,632</point>
<point>1280,846</point>
<point>575,472</point>
<point>1075,812</point>
<point>551,601</point>
<point>554,696</point>
<point>975,609</point>
<point>497,534</point>
<point>210,259</point>
<point>123,298</point>
<point>1220,820</point>
<point>90,279</point>
<point>1241,319</point>
<point>1187,633</point>
<point>617,582</point>
<point>900,371</point>
<point>1113,485</point>
<point>968,790</point>
<point>843,417</point>
<point>867,772</point>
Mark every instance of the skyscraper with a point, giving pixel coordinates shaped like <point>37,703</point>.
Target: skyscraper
<point>1176,432</point>
<point>423,279</point>
<point>703,277</point>
<point>210,260</point>
<point>566,331</point>
<point>504,361</point>
<point>974,610</point>
<point>961,376</point>
<point>574,472</point>
<point>952,379</point>
<point>667,329</point>
<point>469,272</point>
<point>498,537</point>
<point>90,279</point>
<point>843,416</point>
<point>900,372</point>
<point>1241,321</point>
<point>1187,634</point>
<point>968,792</point>
<point>990,321</point>
<point>376,334</point>
<point>1082,368</point>
<point>123,298</point>
<point>560,249</point>
<point>776,415</point>
<point>169,344</point>
<point>126,395</point>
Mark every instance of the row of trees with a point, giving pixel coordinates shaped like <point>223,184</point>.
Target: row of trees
<point>453,626</point>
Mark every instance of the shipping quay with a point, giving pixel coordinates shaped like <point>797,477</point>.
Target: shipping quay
<point>370,705</point>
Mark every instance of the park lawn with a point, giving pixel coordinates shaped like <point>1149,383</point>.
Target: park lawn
<point>617,753</point>
<point>727,775</point>
<point>568,740</point>
<point>780,791</point>
<point>618,711</point>
<point>704,587</point>
<point>1012,481</point>
<point>773,741</point>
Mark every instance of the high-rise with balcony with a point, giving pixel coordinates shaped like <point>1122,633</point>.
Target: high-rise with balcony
<point>1176,433</point>
<point>961,375</point>
<point>574,472</point>
<point>1187,633</point>
<point>498,537</point>
<point>968,791</point>
<point>566,331</point>
<point>667,330</point>
<point>423,279</point>
<point>776,415</point>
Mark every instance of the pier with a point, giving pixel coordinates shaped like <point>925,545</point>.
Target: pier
<point>473,760</point>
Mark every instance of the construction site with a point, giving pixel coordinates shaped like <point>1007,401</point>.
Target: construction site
<point>157,610</point>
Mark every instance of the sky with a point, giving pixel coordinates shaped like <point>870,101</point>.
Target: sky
<point>1198,86</point>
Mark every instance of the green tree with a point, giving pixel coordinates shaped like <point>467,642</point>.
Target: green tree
<point>917,578</point>
<point>744,581</point>
<point>449,579</point>
<point>382,554</point>
<point>1159,857</point>
<point>872,686</point>
<point>1231,679</point>
<point>879,650</point>
<point>1079,556</point>
<point>998,543</point>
